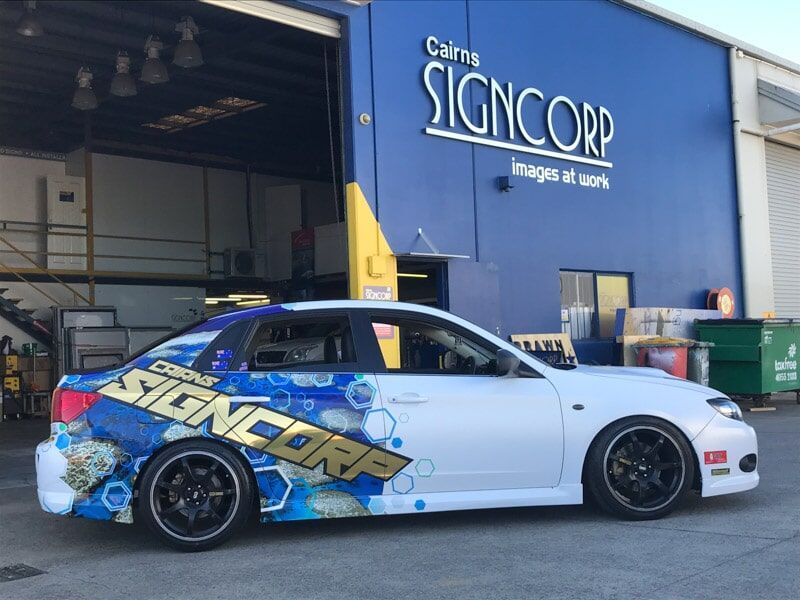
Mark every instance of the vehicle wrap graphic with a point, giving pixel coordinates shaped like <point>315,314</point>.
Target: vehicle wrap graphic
<point>317,442</point>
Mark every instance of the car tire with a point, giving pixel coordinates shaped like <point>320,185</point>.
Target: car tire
<point>195,495</point>
<point>639,468</point>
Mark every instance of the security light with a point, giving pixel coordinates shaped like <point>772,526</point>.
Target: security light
<point>188,54</point>
<point>28,25</point>
<point>122,84</point>
<point>84,98</point>
<point>154,71</point>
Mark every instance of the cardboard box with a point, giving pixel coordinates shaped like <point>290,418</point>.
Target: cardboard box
<point>11,383</point>
<point>42,381</point>
<point>41,363</point>
<point>10,364</point>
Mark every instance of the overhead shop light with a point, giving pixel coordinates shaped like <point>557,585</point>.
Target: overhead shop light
<point>84,97</point>
<point>28,25</point>
<point>123,84</point>
<point>154,71</point>
<point>188,54</point>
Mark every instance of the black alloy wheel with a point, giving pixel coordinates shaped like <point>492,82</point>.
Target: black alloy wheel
<point>640,469</point>
<point>194,496</point>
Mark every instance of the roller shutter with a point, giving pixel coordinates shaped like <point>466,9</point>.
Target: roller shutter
<point>783,192</point>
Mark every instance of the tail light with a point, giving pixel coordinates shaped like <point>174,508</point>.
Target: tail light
<point>70,404</point>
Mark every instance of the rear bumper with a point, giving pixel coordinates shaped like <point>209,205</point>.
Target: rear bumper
<point>737,440</point>
<point>55,495</point>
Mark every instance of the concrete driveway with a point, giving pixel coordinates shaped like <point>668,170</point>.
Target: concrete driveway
<point>742,546</point>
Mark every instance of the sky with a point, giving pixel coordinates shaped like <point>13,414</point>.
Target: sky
<point>772,25</point>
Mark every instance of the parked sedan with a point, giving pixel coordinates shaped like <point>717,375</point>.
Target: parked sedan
<point>406,409</point>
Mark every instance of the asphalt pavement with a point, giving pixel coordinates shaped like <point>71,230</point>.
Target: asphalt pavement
<point>741,546</point>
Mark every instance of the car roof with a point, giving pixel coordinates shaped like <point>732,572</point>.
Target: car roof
<point>328,304</point>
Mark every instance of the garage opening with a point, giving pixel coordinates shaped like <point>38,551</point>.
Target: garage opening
<point>160,161</point>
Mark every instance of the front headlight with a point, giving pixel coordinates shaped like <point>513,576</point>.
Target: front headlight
<point>299,354</point>
<point>727,407</point>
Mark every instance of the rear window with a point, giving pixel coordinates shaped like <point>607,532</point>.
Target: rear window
<point>182,347</point>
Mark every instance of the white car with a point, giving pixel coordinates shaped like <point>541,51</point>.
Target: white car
<point>410,409</point>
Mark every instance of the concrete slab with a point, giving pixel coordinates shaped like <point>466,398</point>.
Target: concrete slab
<point>739,546</point>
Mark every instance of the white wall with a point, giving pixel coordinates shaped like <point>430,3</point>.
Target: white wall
<point>149,199</point>
<point>753,202</point>
<point>23,197</point>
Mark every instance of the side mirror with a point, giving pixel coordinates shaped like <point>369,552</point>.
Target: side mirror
<point>507,364</point>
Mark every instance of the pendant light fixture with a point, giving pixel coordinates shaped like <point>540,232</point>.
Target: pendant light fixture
<point>28,25</point>
<point>122,84</point>
<point>188,54</point>
<point>84,98</point>
<point>154,71</point>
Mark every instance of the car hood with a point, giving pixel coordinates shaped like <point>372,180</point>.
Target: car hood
<point>645,375</point>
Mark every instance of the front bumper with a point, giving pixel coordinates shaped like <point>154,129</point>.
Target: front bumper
<point>737,440</point>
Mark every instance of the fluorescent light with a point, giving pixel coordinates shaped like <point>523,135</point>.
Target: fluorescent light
<point>413,275</point>
<point>251,302</point>
<point>212,301</point>
<point>248,296</point>
<point>222,299</point>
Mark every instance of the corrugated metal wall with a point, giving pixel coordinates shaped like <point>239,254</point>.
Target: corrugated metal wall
<point>783,192</point>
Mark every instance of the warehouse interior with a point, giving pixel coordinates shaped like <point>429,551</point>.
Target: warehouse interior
<point>159,161</point>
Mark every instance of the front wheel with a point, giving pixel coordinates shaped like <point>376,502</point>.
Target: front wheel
<point>195,495</point>
<point>640,468</point>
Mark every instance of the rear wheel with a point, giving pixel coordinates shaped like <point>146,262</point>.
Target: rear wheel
<point>640,468</point>
<point>195,495</point>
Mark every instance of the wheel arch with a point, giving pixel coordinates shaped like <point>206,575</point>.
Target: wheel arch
<point>696,483</point>
<point>194,439</point>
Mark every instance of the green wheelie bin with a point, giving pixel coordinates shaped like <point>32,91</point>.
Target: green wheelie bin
<point>752,357</point>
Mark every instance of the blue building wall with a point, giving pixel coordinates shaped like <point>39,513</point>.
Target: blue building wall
<point>669,217</point>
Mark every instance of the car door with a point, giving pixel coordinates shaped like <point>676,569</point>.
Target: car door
<point>466,428</point>
<point>307,416</point>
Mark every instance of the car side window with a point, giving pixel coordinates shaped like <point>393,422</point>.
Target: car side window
<point>301,344</point>
<point>419,346</point>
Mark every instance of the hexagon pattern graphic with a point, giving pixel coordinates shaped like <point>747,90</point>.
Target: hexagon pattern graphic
<point>276,480</point>
<point>278,378</point>
<point>116,496</point>
<point>322,379</point>
<point>254,456</point>
<point>375,422</point>
<point>403,418</point>
<point>419,504</point>
<point>376,506</point>
<point>397,442</point>
<point>424,467</point>
<point>63,441</point>
<point>103,463</point>
<point>137,466</point>
<point>360,393</point>
<point>281,399</point>
<point>402,483</point>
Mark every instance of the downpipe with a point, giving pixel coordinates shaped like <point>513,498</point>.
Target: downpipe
<point>737,132</point>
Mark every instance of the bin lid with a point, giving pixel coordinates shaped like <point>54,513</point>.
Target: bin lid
<point>699,344</point>
<point>725,322</point>
<point>663,342</point>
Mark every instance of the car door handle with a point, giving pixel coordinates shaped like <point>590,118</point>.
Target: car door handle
<point>408,398</point>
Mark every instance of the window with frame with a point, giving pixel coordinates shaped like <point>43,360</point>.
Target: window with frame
<point>314,343</point>
<point>589,302</point>
<point>430,348</point>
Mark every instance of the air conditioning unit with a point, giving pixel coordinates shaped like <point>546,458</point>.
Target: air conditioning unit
<point>244,262</point>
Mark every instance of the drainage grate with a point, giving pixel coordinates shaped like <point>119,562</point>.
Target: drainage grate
<point>18,571</point>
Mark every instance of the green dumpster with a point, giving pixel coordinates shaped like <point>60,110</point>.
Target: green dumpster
<point>752,357</point>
